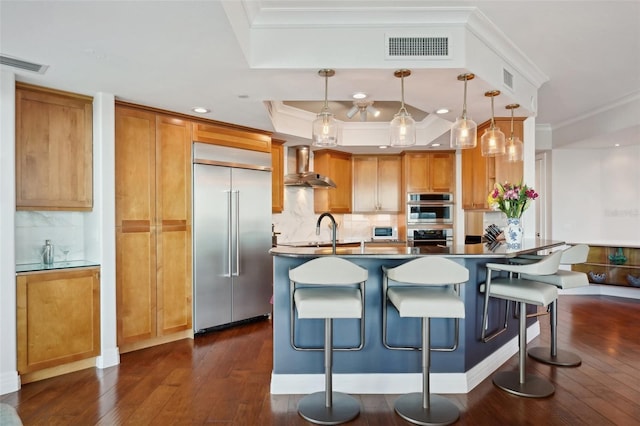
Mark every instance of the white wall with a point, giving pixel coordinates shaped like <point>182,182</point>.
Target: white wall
<point>9,380</point>
<point>596,195</point>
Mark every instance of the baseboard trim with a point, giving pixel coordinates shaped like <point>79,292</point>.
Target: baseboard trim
<point>400,383</point>
<point>603,290</point>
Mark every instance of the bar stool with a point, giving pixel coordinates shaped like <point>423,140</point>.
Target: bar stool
<point>564,280</point>
<point>427,287</point>
<point>327,288</point>
<point>524,292</point>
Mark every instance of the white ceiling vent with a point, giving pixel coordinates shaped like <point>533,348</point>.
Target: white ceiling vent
<point>507,78</point>
<point>417,47</point>
<point>23,65</point>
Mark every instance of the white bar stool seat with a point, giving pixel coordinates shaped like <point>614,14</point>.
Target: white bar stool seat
<point>425,288</point>
<point>522,291</point>
<point>328,288</point>
<point>564,280</point>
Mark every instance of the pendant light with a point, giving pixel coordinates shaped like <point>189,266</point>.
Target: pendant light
<point>403,126</point>
<point>464,131</point>
<point>325,127</point>
<point>514,149</point>
<point>492,142</point>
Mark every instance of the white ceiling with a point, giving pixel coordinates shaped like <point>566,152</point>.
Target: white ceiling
<point>582,57</point>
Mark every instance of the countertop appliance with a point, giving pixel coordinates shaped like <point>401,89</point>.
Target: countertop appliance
<point>231,235</point>
<point>430,208</point>
<point>384,233</point>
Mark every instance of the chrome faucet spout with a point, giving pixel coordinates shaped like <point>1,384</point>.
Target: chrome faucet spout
<point>333,228</point>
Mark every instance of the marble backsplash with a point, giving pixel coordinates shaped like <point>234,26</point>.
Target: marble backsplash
<point>297,222</point>
<point>64,229</point>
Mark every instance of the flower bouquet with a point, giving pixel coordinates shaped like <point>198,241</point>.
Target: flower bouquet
<point>512,200</point>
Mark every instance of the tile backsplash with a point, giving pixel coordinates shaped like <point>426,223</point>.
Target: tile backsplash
<point>298,220</point>
<point>64,229</point>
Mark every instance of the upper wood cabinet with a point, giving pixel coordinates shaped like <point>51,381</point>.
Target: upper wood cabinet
<point>153,225</point>
<point>337,166</point>
<point>429,171</point>
<point>277,176</point>
<point>480,174</point>
<point>58,318</point>
<point>235,138</point>
<point>54,144</point>
<point>376,183</point>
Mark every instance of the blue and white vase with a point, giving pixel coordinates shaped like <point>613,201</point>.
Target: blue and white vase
<point>513,234</point>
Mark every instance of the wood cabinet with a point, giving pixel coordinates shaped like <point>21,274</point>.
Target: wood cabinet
<point>277,176</point>
<point>337,166</point>
<point>58,317</point>
<point>54,150</point>
<point>480,174</point>
<point>612,265</point>
<point>235,138</point>
<point>376,183</point>
<point>153,225</point>
<point>429,171</point>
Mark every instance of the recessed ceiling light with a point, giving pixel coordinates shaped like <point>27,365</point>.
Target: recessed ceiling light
<point>359,95</point>
<point>435,144</point>
<point>442,110</point>
<point>617,144</point>
<point>383,147</point>
<point>200,110</point>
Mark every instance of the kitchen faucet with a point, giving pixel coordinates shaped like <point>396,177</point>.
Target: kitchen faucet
<point>333,229</point>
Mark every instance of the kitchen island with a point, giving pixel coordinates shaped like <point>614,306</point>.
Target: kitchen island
<point>376,369</point>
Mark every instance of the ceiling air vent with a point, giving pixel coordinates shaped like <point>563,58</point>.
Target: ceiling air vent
<point>417,47</point>
<point>507,78</point>
<point>23,65</point>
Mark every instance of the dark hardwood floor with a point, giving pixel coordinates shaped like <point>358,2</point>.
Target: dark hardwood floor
<point>223,378</point>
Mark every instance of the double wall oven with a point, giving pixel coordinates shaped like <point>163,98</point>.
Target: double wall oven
<point>430,219</point>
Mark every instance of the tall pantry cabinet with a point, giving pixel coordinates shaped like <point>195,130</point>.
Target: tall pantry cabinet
<point>153,227</point>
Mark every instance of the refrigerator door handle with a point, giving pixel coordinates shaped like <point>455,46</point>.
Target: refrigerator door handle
<point>237,234</point>
<point>228,271</point>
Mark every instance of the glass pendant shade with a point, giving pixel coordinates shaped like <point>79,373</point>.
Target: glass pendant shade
<point>514,150</point>
<point>515,147</point>
<point>464,131</point>
<point>464,134</point>
<point>324,130</point>
<point>402,129</point>
<point>492,142</point>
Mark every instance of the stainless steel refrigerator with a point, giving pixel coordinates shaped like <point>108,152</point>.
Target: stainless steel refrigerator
<point>231,235</point>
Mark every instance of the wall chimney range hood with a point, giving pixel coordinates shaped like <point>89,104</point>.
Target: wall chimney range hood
<point>302,176</point>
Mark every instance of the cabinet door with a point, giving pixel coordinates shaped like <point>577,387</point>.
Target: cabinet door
<point>376,183</point>
<point>416,169</point>
<point>53,150</point>
<point>58,318</point>
<point>135,182</point>
<point>277,176</point>
<point>441,172</point>
<point>336,165</point>
<point>173,224</point>
<point>389,179</point>
<point>365,183</point>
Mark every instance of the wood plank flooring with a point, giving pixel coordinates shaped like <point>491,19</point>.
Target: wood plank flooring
<point>223,378</point>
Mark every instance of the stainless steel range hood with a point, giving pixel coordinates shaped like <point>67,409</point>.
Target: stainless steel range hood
<point>303,177</point>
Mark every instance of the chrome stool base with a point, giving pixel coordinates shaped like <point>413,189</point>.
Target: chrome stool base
<point>562,358</point>
<point>441,411</point>
<point>343,408</point>
<point>533,386</point>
